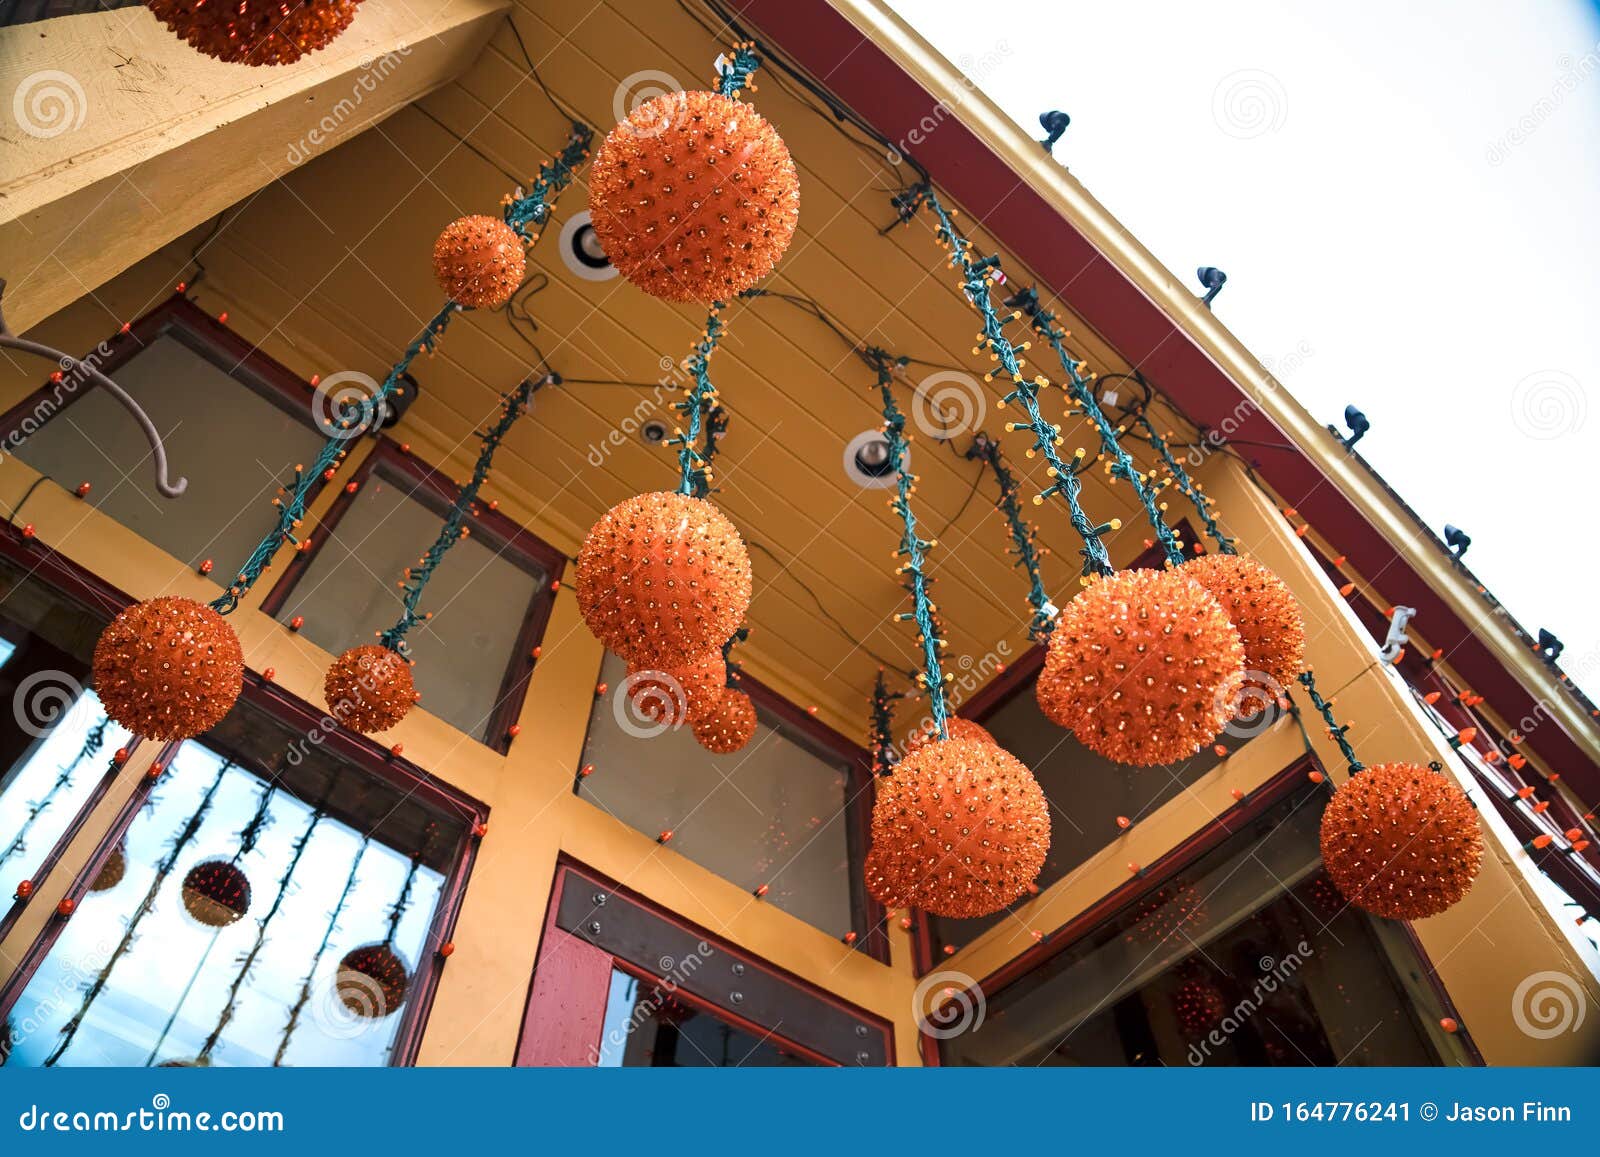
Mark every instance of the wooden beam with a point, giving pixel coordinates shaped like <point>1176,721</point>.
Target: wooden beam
<point>121,137</point>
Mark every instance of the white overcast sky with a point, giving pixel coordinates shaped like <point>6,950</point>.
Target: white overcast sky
<point>1404,199</point>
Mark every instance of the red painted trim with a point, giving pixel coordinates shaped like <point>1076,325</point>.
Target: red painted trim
<point>813,34</point>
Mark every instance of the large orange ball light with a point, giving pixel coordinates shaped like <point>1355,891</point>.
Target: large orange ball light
<point>728,726</point>
<point>479,261</point>
<point>955,728</point>
<point>1140,667</point>
<point>688,692</point>
<point>256,31</point>
<point>694,197</point>
<point>1269,621</point>
<point>967,822</point>
<point>168,668</point>
<point>1401,841</point>
<point>887,880</point>
<point>662,578</point>
<point>369,688</point>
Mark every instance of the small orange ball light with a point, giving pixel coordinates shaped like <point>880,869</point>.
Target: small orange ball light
<point>447,949</point>
<point>1449,1024</point>
<point>694,197</point>
<point>729,725</point>
<point>479,261</point>
<point>967,825</point>
<point>664,837</point>
<point>1401,841</point>
<point>1143,668</point>
<point>663,577</point>
<point>369,688</point>
<point>1270,624</point>
<point>67,906</point>
<point>24,889</point>
<point>168,668</point>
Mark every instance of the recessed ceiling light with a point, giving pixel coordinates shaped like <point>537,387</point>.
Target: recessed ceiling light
<point>581,251</point>
<point>866,461</point>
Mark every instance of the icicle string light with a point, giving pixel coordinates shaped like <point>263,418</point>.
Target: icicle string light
<point>699,401</point>
<point>533,207</point>
<point>512,407</point>
<point>92,743</point>
<point>1024,537</point>
<point>913,548</point>
<point>304,995</point>
<point>1187,485</point>
<point>1336,730</point>
<point>880,738</point>
<point>975,282</point>
<point>1080,389</point>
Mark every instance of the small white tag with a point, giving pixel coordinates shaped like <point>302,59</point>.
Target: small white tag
<point>1109,397</point>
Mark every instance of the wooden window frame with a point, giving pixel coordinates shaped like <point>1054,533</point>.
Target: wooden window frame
<point>395,464</point>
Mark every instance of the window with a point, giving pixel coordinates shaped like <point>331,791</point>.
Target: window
<point>647,1027</point>
<point>271,901</point>
<point>234,423</point>
<point>55,761</point>
<point>1245,956</point>
<point>783,813</point>
<point>489,598</point>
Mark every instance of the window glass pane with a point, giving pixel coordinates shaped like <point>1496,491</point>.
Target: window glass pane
<point>233,445</point>
<point>479,597</point>
<point>774,813</point>
<point>56,743</point>
<point>224,928</point>
<point>648,1026</point>
<point>1086,792</point>
<point>1247,957</point>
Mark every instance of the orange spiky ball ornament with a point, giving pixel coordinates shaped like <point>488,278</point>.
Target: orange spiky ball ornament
<point>886,878</point>
<point>256,31</point>
<point>729,725</point>
<point>687,692</point>
<point>694,197</point>
<point>663,577</point>
<point>1270,625</point>
<point>1401,841</point>
<point>369,688</point>
<point>168,668</point>
<point>479,261</point>
<point>955,728</point>
<point>966,822</point>
<point>1139,667</point>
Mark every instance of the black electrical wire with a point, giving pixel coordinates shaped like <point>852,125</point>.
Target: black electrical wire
<point>827,614</point>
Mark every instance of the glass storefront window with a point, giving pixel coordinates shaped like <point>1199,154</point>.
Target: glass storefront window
<point>646,1026</point>
<point>1248,956</point>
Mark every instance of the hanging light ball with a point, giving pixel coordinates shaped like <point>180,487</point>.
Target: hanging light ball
<point>369,688</point>
<point>1198,1006</point>
<point>479,261</point>
<point>112,871</point>
<point>663,577</point>
<point>1136,665</point>
<point>955,728</point>
<point>216,893</point>
<point>1271,627</point>
<point>372,981</point>
<point>729,725</point>
<point>1401,841</point>
<point>256,31</point>
<point>684,693</point>
<point>694,197</point>
<point>967,821</point>
<point>168,668</point>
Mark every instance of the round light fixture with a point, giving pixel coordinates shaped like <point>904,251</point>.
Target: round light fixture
<point>866,461</point>
<point>582,252</point>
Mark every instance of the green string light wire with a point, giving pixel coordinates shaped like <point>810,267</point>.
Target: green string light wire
<point>734,671</point>
<point>512,407</point>
<point>554,177</point>
<point>880,737</point>
<point>1024,538</point>
<point>699,400</point>
<point>1336,730</point>
<point>913,548</point>
<point>1186,485</point>
<point>975,281</point>
<point>1080,391</point>
<point>737,69</point>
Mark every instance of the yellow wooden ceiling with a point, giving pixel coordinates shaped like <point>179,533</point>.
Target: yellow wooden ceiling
<point>332,263</point>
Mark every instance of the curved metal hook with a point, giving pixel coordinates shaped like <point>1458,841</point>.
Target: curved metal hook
<point>158,450</point>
